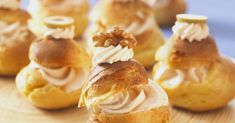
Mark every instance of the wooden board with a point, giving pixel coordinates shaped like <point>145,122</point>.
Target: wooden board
<point>15,109</point>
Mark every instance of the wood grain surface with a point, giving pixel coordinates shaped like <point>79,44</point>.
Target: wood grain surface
<point>16,109</point>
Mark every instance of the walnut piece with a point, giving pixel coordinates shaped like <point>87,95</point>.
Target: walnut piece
<point>115,36</point>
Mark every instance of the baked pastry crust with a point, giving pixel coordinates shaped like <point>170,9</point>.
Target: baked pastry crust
<point>182,54</point>
<point>108,13</point>
<point>15,55</point>
<point>213,93</point>
<point>45,52</point>
<point>40,93</point>
<point>123,75</point>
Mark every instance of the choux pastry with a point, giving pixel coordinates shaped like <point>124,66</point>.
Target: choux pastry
<point>190,68</point>
<point>58,67</point>
<point>118,89</point>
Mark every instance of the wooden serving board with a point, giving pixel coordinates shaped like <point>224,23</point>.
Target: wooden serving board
<point>16,109</point>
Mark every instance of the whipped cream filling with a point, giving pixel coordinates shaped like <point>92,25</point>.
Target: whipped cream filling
<point>191,31</point>
<point>68,78</point>
<point>143,98</point>
<point>59,33</point>
<point>10,4</point>
<point>111,54</point>
<point>10,33</point>
<point>173,78</point>
<point>137,28</point>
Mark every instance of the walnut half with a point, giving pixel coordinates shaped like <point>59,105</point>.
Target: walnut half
<point>116,36</point>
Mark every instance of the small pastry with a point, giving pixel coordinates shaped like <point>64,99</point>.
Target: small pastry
<point>136,17</point>
<point>58,67</point>
<point>15,37</point>
<point>190,68</point>
<point>118,89</point>
<point>166,10</point>
<point>40,9</point>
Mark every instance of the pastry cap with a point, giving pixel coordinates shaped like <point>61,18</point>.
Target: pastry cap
<point>114,37</point>
<point>180,54</point>
<point>54,53</point>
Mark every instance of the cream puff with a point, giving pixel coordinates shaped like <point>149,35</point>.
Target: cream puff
<point>58,67</point>
<point>133,15</point>
<point>15,37</point>
<point>190,68</point>
<point>40,9</point>
<point>166,10</point>
<point>118,89</point>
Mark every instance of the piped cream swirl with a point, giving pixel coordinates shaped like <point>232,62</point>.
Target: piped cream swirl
<point>143,98</point>
<point>191,31</point>
<point>68,78</point>
<point>58,33</point>
<point>10,33</point>
<point>10,4</point>
<point>173,78</point>
<point>111,54</point>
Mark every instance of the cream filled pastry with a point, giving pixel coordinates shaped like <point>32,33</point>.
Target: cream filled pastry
<point>190,68</point>
<point>15,37</point>
<point>76,9</point>
<point>166,10</point>
<point>58,68</point>
<point>118,89</point>
<point>135,17</point>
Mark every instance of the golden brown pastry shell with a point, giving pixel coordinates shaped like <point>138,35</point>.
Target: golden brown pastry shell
<point>53,53</point>
<point>15,56</point>
<point>212,93</point>
<point>39,92</point>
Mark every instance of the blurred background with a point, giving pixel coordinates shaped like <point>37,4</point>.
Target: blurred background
<point>221,15</point>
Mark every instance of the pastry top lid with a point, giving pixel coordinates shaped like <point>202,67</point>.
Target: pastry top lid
<point>190,18</point>
<point>114,37</point>
<point>181,54</point>
<point>58,53</point>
